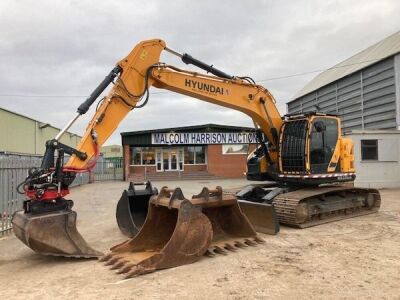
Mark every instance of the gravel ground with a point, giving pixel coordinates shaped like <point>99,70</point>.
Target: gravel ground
<point>357,258</point>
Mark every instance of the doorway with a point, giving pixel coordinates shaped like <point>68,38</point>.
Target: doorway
<point>169,159</point>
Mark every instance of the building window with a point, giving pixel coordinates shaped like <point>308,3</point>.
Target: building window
<point>369,149</point>
<point>143,156</point>
<point>195,155</point>
<point>136,156</point>
<point>235,149</point>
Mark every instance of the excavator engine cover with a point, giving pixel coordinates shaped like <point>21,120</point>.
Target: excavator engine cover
<point>178,231</point>
<point>52,232</point>
<point>132,207</point>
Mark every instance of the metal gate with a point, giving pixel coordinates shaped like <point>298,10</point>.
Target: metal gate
<point>108,169</point>
<point>13,170</point>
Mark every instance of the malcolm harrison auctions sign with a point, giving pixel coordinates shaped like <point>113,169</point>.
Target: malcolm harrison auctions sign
<point>203,138</point>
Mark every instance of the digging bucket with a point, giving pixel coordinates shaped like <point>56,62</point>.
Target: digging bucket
<point>132,207</point>
<point>52,233</point>
<point>178,231</point>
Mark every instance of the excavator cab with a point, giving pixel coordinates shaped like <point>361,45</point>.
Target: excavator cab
<point>310,149</point>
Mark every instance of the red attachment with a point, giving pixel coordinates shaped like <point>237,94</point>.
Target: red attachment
<point>46,194</point>
<point>40,194</point>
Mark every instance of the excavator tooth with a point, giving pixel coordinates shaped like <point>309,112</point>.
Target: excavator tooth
<point>259,240</point>
<point>134,272</point>
<point>118,265</point>
<point>105,257</point>
<point>220,250</point>
<point>125,269</point>
<point>240,244</point>
<point>209,253</point>
<point>230,247</point>
<point>250,242</point>
<point>112,261</point>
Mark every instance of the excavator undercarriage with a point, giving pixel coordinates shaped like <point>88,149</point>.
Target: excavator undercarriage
<point>309,206</point>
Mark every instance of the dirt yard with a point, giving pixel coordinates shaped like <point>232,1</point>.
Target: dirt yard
<point>353,259</point>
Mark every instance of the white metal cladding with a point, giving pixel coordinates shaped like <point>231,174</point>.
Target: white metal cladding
<point>365,99</point>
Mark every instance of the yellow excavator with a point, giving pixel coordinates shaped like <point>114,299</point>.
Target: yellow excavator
<point>309,167</point>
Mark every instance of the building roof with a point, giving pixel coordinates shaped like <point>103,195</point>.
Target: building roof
<point>195,128</point>
<point>373,54</point>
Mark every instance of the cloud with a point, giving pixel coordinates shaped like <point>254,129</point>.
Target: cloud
<point>66,48</point>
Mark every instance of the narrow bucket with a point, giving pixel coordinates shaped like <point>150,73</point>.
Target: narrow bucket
<point>179,231</point>
<point>259,209</point>
<point>261,215</point>
<point>52,233</point>
<point>132,207</point>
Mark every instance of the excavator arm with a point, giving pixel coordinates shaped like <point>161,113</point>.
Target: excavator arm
<point>141,69</point>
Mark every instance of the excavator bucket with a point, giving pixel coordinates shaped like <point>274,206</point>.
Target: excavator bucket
<point>178,231</point>
<point>260,211</point>
<point>132,207</point>
<point>52,233</point>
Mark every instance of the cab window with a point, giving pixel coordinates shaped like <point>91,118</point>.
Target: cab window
<point>324,136</point>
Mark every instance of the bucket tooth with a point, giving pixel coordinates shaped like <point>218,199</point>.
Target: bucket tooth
<point>259,240</point>
<point>230,247</point>
<point>105,257</point>
<point>113,261</point>
<point>250,242</point>
<point>220,250</point>
<point>209,253</point>
<point>240,244</point>
<point>125,269</point>
<point>52,233</point>
<point>118,265</point>
<point>179,231</point>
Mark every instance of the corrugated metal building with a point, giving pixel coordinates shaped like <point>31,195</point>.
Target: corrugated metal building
<point>21,134</point>
<point>364,89</point>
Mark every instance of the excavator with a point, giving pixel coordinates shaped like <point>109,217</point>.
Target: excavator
<point>306,165</point>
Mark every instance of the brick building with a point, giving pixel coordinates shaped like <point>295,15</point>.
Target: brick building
<point>187,152</point>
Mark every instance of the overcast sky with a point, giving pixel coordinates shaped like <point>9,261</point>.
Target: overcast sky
<point>65,48</point>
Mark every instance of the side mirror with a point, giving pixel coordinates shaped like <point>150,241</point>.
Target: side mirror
<point>319,126</point>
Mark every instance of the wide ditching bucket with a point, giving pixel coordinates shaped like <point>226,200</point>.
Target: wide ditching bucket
<point>178,231</point>
<point>52,233</point>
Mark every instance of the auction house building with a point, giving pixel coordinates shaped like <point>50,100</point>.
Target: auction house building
<point>192,152</point>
